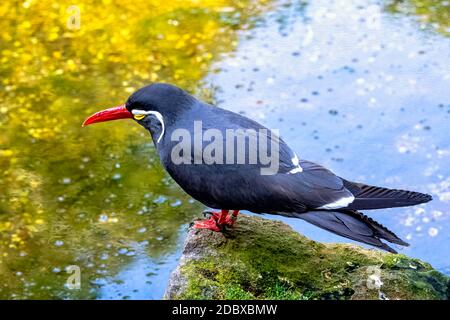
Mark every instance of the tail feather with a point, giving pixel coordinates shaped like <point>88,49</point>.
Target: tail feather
<point>371,197</point>
<point>353,225</point>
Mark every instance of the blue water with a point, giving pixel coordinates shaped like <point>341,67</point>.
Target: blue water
<point>364,93</point>
<point>143,278</point>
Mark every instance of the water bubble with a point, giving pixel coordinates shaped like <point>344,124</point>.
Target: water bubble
<point>143,210</point>
<point>436,214</point>
<point>56,270</point>
<point>433,232</point>
<point>172,22</point>
<point>103,218</point>
<point>104,256</point>
<point>142,230</point>
<point>116,176</point>
<point>419,211</point>
<point>160,199</point>
<point>409,221</point>
<point>66,181</point>
<point>122,251</point>
<point>175,203</point>
<point>99,282</point>
<point>402,149</point>
<point>58,243</point>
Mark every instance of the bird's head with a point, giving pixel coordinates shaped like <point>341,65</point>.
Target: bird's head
<point>153,107</point>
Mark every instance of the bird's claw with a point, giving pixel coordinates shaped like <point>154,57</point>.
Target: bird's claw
<point>209,214</point>
<point>217,221</point>
<point>210,224</point>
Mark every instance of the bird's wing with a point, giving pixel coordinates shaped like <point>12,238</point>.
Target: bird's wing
<point>320,188</point>
<point>315,186</point>
<point>354,225</point>
<point>296,183</point>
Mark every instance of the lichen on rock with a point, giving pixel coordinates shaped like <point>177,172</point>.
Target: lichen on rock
<point>266,259</point>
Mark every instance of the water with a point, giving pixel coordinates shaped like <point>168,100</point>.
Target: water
<point>362,92</point>
<point>360,87</point>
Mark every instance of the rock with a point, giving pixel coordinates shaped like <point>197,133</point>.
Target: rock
<point>266,259</point>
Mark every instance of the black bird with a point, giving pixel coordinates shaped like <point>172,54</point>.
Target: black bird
<point>299,188</point>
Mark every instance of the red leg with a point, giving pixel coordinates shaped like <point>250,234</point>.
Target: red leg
<point>223,217</point>
<point>231,219</point>
<point>217,220</point>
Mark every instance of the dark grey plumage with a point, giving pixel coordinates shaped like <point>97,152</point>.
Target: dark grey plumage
<point>306,195</point>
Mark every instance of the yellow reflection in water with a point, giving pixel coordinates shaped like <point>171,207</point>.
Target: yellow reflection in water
<point>75,196</point>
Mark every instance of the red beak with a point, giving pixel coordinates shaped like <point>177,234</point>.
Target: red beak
<point>115,113</point>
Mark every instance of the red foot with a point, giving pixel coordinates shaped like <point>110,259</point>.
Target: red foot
<point>207,224</point>
<point>218,221</point>
<point>230,219</point>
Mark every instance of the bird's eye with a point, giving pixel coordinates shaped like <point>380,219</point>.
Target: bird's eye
<point>139,116</point>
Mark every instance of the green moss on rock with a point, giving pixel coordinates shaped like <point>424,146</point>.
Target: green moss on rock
<point>265,259</point>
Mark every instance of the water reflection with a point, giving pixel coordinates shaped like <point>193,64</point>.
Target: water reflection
<point>363,92</point>
<point>143,278</point>
<point>91,197</point>
<point>322,71</point>
<point>430,14</point>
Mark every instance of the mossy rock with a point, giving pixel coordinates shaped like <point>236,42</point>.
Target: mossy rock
<point>266,259</point>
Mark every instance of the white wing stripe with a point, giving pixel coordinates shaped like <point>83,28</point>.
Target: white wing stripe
<point>341,203</point>
<point>296,163</point>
